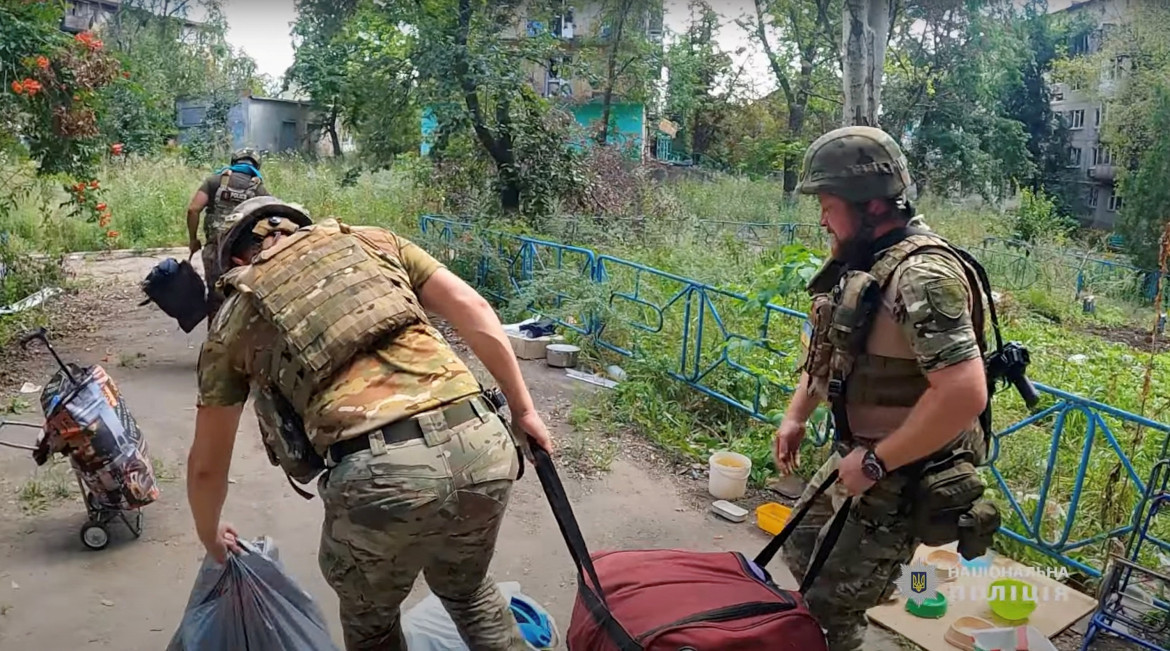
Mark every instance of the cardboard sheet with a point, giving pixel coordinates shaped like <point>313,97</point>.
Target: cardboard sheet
<point>1063,608</point>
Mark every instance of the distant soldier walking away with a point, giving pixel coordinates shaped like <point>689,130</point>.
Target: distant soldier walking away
<point>220,193</point>
<point>325,326</point>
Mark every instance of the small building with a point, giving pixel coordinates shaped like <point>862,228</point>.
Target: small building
<point>267,123</point>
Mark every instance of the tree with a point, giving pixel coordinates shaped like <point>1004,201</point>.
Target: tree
<point>631,56</point>
<point>809,40</point>
<point>472,61</point>
<point>1128,75</point>
<point>321,58</point>
<point>865,26</point>
<point>702,84</point>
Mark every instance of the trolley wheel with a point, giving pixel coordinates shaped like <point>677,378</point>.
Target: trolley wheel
<point>95,535</point>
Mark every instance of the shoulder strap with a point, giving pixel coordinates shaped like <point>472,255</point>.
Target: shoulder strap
<point>827,543</point>
<point>593,597</point>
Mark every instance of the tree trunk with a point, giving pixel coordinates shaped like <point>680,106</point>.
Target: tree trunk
<point>611,73</point>
<point>865,28</point>
<point>333,131</point>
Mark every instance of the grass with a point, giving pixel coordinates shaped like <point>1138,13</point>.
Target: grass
<point>735,236</point>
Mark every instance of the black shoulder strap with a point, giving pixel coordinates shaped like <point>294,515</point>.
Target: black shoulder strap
<point>827,543</point>
<point>594,598</point>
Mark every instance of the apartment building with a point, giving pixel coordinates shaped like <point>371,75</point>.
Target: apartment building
<point>88,15</point>
<point>1085,113</point>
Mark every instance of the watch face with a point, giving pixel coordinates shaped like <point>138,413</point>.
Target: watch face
<point>872,467</point>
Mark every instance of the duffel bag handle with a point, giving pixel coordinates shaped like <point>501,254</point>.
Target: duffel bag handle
<point>562,510</point>
<point>824,549</point>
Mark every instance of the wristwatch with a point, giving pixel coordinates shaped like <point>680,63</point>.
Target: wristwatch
<point>872,466</point>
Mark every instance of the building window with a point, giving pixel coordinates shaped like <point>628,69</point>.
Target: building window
<point>1079,45</point>
<point>1094,194</point>
<point>1097,117</point>
<point>1102,156</point>
<point>1076,119</point>
<point>1114,201</point>
<point>1074,156</point>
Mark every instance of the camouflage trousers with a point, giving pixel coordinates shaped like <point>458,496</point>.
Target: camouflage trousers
<point>211,274</point>
<point>418,508</point>
<point>860,571</point>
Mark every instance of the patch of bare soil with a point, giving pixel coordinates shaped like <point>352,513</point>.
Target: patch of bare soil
<point>78,316</point>
<point>1134,337</point>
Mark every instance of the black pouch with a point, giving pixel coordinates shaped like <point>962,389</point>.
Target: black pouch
<point>496,401</point>
<point>977,529</point>
<point>947,490</point>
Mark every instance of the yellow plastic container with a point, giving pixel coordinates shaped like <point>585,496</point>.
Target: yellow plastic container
<point>771,517</point>
<point>1018,600</point>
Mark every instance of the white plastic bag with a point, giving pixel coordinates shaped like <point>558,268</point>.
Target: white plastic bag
<point>428,627</point>
<point>249,603</point>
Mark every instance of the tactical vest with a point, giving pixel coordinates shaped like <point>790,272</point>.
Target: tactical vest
<point>332,293</point>
<point>231,193</point>
<point>845,304</point>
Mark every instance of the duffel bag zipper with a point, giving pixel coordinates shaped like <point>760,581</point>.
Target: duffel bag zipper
<point>727,613</point>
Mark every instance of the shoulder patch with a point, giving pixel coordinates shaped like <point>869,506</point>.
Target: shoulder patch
<point>947,296</point>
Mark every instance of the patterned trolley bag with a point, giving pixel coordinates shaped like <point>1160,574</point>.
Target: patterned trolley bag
<point>87,421</point>
<point>679,600</point>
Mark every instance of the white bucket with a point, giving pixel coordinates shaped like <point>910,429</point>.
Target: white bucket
<point>729,475</point>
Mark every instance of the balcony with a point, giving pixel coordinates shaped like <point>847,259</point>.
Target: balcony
<point>76,23</point>
<point>1104,173</point>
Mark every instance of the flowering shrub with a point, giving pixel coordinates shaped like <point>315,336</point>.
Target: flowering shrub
<point>50,112</point>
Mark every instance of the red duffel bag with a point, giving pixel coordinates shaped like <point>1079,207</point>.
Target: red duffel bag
<point>679,600</point>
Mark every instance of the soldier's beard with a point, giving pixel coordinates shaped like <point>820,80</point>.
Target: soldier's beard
<point>855,250</point>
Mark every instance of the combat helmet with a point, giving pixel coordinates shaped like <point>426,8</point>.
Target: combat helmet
<point>857,164</point>
<point>257,218</point>
<point>246,154</point>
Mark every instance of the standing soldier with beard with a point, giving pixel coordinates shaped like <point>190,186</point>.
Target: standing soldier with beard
<point>895,344</point>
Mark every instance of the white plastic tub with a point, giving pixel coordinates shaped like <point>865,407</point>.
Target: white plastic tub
<point>729,475</point>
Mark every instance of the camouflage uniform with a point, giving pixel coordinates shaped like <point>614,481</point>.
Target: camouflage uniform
<point>434,508</point>
<point>927,305</point>
<point>225,191</point>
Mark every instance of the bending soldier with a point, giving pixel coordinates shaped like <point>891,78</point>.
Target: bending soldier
<point>324,325</point>
<point>219,194</point>
<point>895,344</point>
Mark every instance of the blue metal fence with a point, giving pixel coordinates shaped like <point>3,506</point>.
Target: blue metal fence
<point>647,300</point>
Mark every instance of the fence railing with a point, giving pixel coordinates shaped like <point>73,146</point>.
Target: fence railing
<point>716,331</point>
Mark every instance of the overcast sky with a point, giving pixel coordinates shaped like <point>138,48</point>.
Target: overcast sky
<point>261,28</point>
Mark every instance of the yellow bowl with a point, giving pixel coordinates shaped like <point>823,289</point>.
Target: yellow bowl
<point>1016,605</point>
<point>771,517</point>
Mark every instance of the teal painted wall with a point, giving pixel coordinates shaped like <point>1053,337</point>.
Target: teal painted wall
<point>627,123</point>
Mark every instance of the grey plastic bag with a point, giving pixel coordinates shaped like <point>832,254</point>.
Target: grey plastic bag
<point>249,603</point>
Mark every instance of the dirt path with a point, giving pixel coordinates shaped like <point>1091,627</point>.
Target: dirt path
<point>55,594</point>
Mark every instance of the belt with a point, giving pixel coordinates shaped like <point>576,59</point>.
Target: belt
<point>409,429</point>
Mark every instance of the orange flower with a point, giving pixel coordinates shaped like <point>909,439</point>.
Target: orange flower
<point>93,184</point>
<point>43,62</point>
<point>126,74</point>
<point>17,87</point>
<point>116,148</point>
<point>104,220</point>
<point>111,234</point>
<point>101,207</point>
<point>32,86</point>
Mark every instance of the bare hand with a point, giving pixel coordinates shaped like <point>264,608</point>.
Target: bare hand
<point>850,474</point>
<point>529,423</point>
<point>194,245</point>
<point>786,446</point>
<point>225,541</point>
